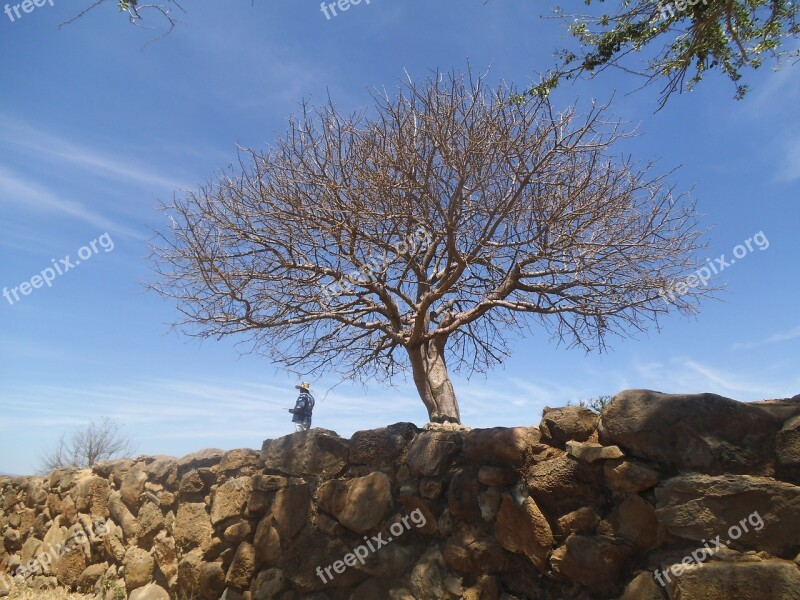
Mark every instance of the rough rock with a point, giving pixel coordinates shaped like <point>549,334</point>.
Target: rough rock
<point>312,452</point>
<point>230,499</point>
<point>151,591</point>
<point>431,452</point>
<point>592,452</point>
<point>139,565</point>
<point>767,580</point>
<point>559,425</point>
<point>359,504</point>
<point>290,510</point>
<point>192,527</point>
<point>625,475</point>
<point>501,446</point>
<point>592,561</point>
<point>524,529</point>
<point>242,567</point>
<point>584,520</point>
<point>696,507</point>
<point>381,447</point>
<point>698,432</point>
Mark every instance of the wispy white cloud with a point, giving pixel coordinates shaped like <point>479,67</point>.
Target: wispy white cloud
<point>100,162</point>
<point>782,336</point>
<point>27,195</point>
<point>687,375</point>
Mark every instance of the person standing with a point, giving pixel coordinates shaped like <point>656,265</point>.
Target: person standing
<point>303,408</point>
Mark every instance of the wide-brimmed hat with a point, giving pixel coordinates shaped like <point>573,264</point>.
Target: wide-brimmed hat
<point>303,386</point>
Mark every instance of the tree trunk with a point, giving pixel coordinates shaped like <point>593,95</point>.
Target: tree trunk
<point>433,382</point>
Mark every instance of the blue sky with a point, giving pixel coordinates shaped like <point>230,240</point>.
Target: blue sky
<point>96,128</point>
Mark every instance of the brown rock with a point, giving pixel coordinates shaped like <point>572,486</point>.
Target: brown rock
<point>592,561</point>
<point>787,450</point>
<point>725,436</point>
<point>489,503</point>
<point>497,476</point>
<point>192,527</point>
<point>212,580</point>
<point>90,576</point>
<point>197,460</point>
<point>697,507</point>
<point>69,567</point>
<point>629,476</point>
<point>241,461</point>
<point>431,452</point>
<point>188,583</point>
<point>90,495</point>
<point>237,532</point>
<point>151,591</point>
<point>427,580</point>
<point>166,556</point>
<point>430,488</point>
<point>268,584</point>
<point>359,504</point>
<point>267,543</point>
<point>468,550</point>
<point>499,446</point>
<point>313,452</point>
<point>564,484</point>
<point>592,452</point>
<point>642,587</point>
<point>132,487</point>
<point>559,425</point>
<point>584,520</point>
<point>634,520</point>
<point>151,522</point>
<point>139,567</point>
<point>381,447</point>
<point>462,495</point>
<point>230,499</point>
<point>524,529</point>
<point>242,567</point>
<point>414,503</point>
<point>290,509</point>
<point>767,580</point>
<point>120,513</point>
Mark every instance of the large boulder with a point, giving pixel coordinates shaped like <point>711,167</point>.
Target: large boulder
<point>431,452</point>
<point>290,509</point>
<point>564,484</point>
<point>745,580</point>
<point>593,561</point>
<point>695,432</point>
<point>151,591</point>
<point>787,450</point>
<point>242,567</point>
<point>360,504</point>
<point>560,425</point>
<point>499,446</point>
<point>192,527</point>
<point>524,529</point>
<point>120,513</point>
<point>139,565</point>
<point>230,499</point>
<point>744,511</point>
<point>90,495</point>
<point>381,447</point>
<point>312,452</point>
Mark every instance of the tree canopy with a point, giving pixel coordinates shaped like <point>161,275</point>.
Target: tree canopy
<point>675,43</point>
<point>420,236</point>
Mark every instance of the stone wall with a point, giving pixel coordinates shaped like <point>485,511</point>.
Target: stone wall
<point>664,496</point>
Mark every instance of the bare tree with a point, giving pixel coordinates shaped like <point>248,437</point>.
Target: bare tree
<point>87,446</point>
<point>527,218</point>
